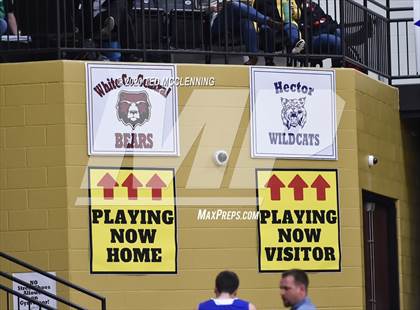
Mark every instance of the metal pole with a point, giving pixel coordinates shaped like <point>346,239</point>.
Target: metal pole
<point>388,36</point>
<point>58,30</point>
<point>343,34</point>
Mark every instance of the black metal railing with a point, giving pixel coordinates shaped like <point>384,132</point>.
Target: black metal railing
<point>159,30</point>
<point>403,44</point>
<point>26,301</point>
<point>366,38</point>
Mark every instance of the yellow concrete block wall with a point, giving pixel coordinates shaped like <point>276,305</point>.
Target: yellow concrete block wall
<point>44,214</point>
<point>380,132</point>
<point>33,206</point>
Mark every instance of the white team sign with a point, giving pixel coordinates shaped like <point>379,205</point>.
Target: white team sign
<point>132,109</point>
<point>38,281</point>
<point>293,113</point>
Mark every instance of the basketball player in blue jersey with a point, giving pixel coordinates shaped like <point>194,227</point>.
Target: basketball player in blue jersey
<point>227,283</point>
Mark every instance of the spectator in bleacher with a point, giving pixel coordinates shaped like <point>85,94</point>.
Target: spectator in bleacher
<point>239,17</point>
<point>7,17</point>
<point>111,23</point>
<point>226,288</point>
<point>267,35</point>
<point>290,14</point>
<point>3,21</point>
<point>322,32</point>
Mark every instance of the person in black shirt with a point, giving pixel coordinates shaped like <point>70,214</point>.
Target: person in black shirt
<point>111,22</point>
<point>321,31</point>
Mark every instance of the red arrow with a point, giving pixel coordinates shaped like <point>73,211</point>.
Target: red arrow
<point>156,184</point>
<point>108,183</point>
<point>274,183</point>
<point>320,184</point>
<point>132,183</point>
<point>298,184</point>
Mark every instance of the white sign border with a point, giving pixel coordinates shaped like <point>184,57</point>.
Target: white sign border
<point>254,154</point>
<point>89,100</point>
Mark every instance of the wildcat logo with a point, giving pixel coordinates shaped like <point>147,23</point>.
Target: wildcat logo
<point>133,108</point>
<point>293,113</point>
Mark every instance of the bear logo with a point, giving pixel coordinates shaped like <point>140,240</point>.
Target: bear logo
<point>133,108</point>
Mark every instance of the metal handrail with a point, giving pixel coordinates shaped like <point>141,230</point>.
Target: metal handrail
<point>141,42</point>
<point>407,71</point>
<point>399,20</point>
<point>402,8</point>
<point>379,5</point>
<point>55,278</point>
<point>367,10</point>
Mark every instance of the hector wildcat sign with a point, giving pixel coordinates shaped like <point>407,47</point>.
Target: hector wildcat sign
<point>293,113</point>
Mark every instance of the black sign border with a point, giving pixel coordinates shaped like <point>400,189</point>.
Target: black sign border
<point>90,222</point>
<point>258,223</point>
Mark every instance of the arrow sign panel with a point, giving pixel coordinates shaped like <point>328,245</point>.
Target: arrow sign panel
<point>321,185</point>
<point>108,183</point>
<point>156,184</point>
<point>298,184</point>
<point>275,184</point>
<point>131,233</point>
<point>303,216</point>
<point>132,184</point>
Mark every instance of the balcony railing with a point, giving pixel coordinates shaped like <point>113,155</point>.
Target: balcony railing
<point>403,48</point>
<point>359,36</point>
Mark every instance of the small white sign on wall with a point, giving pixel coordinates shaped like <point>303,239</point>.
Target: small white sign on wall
<point>293,113</point>
<point>132,109</point>
<point>36,280</point>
